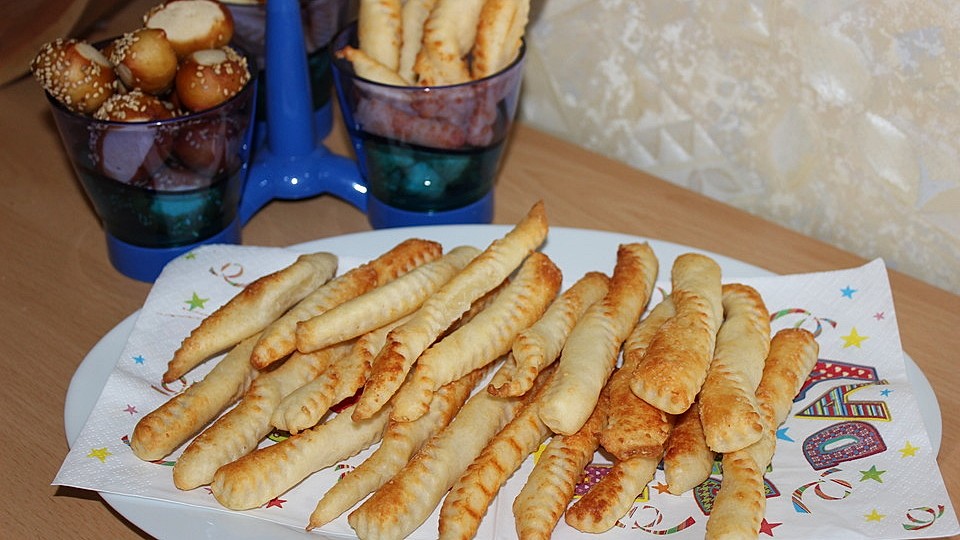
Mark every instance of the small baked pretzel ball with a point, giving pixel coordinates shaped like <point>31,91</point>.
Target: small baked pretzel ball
<point>144,60</point>
<point>75,73</point>
<point>129,156</point>
<point>130,153</point>
<point>209,77</point>
<point>192,25</point>
<point>205,146</point>
<point>134,106</point>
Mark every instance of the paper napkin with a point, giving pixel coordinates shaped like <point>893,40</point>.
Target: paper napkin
<point>853,460</point>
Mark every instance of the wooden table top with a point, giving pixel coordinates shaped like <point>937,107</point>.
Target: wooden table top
<point>61,295</point>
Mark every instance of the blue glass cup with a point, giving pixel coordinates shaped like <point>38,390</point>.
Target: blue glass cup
<point>162,187</point>
<point>428,155</point>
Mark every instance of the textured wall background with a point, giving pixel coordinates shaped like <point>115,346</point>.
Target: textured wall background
<point>837,118</point>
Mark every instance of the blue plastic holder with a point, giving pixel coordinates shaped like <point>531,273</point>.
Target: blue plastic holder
<point>289,161</point>
<point>292,162</point>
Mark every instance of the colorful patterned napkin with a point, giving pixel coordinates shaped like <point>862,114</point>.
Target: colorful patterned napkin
<point>853,459</point>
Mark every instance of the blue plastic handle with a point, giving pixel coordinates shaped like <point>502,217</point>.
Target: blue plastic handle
<point>291,163</point>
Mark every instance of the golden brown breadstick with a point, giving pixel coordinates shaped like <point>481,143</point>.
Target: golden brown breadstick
<point>482,340</point>
<point>551,484</point>
<point>468,499</point>
<point>239,431</point>
<point>591,351</point>
<point>254,479</point>
<point>306,406</point>
<point>413,15</point>
<point>279,339</point>
<point>676,363</point>
<point>518,27</point>
<point>251,310</point>
<point>161,431</point>
<point>687,461</point>
<point>613,496</point>
<point>378,31</point>
<point>483,274</point>
<point>793,353</point>
<point>448,36</point>
<point>741,502</point>
<point>634,427</point>
<point>502,23</point>
<point>404,503</point>
<point>379,306</point>
<point>727,402</point>
<point>368,68</point>
<point>538,346</point>
<point>401,440</point>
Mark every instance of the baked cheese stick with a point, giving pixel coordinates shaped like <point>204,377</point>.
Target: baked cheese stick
<point>161,431</point>
<point>499,34</point>
<point>465,505</point>
<point>401,440</point>
<point>612,497</point>
<point>407,500</point>
<point>448,36</point>
<point>687,461</point>
<point>279,339</point>
<point>740,504</point>
<point>241,429</point>
<point>727,402</point>
<point>673,369</point>
<point>413,15</point>
<point>485,338</point>
<point>378,31</point>
<point>251,310</point>
<point>483,274</point>
<point>306,406</point>
<point>634,427</point>
<point>539,346</point>
<point>591,351</point>
<point>793,353</point>
<point>256,478</point>
<point>514,39</point>
<point>550,486</point>
<point>377,307</point>
<point>366,67</point>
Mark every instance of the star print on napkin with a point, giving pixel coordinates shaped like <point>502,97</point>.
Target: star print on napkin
<point>853,339</point>
<point>909,450</point>
<point>872,474</point>
<point>196,302</point>
<point>99,453</point>
<point>874,516</point>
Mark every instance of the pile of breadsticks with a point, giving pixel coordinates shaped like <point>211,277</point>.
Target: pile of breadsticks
<point>466,362</point>
<point>436,42</point>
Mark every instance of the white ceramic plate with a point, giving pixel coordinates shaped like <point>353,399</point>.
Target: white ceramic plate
<point>575,250</point>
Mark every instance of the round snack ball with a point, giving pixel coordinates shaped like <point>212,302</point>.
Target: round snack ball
<point>134,106</point>
<point>209,77</point>
<point>132,154</point>
<point>144,60</point>
<point>208,146</point>
<point>129,156</point>
<point>192,25</point>
<point>75,73</point>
